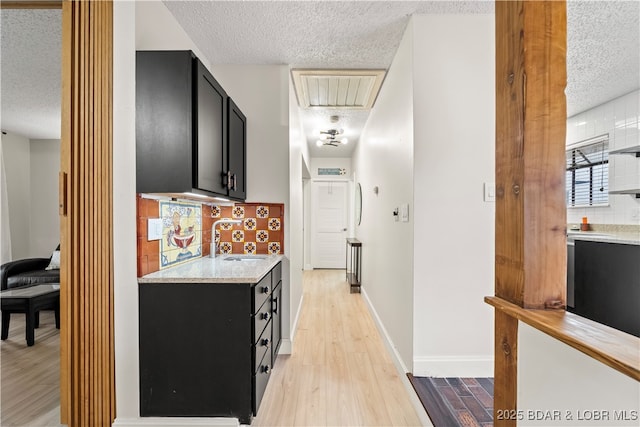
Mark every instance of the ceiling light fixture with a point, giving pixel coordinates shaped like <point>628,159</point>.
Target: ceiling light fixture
<point>330,138</point>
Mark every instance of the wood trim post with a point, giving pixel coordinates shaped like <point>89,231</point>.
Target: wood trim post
<point>530,261</point>
<point>87,392</point>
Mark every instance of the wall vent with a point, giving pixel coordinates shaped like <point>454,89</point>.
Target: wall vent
<point>348,89</point>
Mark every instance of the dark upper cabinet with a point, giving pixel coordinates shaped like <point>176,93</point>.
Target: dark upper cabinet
<point>190,136</point>
<point>164,121</point>
<point>237,151</point>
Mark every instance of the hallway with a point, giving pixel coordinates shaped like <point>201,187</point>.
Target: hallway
<point>340,373</point>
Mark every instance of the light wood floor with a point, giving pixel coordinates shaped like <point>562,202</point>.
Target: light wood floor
<point>340,373</point>
<point>30,376</point>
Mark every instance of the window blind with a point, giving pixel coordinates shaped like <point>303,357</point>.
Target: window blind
<point>587,176</point>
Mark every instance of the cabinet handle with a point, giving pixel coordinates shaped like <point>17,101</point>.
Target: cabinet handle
<point>265,342</point>
<point>265,289</point>
<point>234,179</point>
<point>266,369</point>
<point>275,305</point>
<point>228,180</point>
<point>265,316</point>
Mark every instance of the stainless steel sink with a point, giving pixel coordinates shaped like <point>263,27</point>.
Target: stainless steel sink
<point>244,258</point>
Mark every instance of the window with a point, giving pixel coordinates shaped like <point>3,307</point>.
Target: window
<point>587,182</point>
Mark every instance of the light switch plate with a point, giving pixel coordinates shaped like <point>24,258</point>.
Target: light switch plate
<point>489,192</point>
<point>404,212</point>
<point>154,229</point>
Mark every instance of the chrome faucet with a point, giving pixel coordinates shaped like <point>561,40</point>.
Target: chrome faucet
<point>213,246</point>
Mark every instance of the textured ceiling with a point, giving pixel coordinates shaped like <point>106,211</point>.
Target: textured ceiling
<point>309,34</point>
<point>30,89</point>
<point>603,55</point>
<point>603,52</point>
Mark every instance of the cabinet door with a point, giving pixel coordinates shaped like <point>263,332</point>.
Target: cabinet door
<point>237,151</point>
<point>210,162</point>
<point>163,121</point>
<point>195,350</point>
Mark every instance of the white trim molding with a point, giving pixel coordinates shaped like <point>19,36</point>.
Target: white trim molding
<point>175,422</point>
<point>285,346</point>
<point>453,366</point>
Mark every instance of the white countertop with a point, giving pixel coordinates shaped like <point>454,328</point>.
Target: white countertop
<point>625,237</point>
<point>216,270</point>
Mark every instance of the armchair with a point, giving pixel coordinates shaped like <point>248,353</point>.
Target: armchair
<point>27,272</point>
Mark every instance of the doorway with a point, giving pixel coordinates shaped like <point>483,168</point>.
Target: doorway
<point>329,216</point>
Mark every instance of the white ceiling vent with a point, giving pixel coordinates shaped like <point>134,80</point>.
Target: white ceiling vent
<point>352,89</point>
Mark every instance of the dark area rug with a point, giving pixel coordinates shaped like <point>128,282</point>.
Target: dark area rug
<point>451,402</point>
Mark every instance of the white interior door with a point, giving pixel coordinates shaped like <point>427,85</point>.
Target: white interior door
<point>329,223</point>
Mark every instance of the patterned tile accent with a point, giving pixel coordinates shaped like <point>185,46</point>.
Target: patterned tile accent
<point>238,236</point>
<point>274,224</point>
<point>263,218</point>
<point>274,247</point>
<point>181,232</point>
<point>250,224</point>
<point>226,248</point>
<point>262,236</point>
<point>238,212</point>
<point>225,226</point>
<point>262,212</point>
<point>250,248</point>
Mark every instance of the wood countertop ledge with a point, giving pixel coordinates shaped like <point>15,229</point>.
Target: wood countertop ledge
<point>614,348</point>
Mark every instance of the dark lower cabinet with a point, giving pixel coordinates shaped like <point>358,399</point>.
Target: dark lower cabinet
<point>207,349</point>
<point>607,284</point>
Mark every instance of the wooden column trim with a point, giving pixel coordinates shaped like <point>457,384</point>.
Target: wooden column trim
<point>530,258</point>
<point>87,393</point>
<point>530,147</point>
<point>43,4</point>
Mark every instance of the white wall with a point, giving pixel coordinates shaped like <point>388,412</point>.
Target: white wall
<point>16,154</point>
<point>45,219</point>
<point>454,122</point>
<point>298,153</point>
<point>384,158</point>
<point>157,29</point>
<point>619,118</point>
<point>555,377</point>
<point>124,215</point>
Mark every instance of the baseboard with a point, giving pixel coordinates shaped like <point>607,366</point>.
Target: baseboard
<point>453,366</point>
<point>401,368</point>
<point>285,346</point>
<point>175,422</point>
<point>308,267</point>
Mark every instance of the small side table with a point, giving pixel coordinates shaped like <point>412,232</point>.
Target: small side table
<point>30,300</point>
<point>353,264</point>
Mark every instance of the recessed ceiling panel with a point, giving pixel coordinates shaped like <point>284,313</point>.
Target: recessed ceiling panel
<point>352,89</point>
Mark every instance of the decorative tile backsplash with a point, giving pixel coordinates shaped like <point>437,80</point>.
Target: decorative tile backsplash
<point>181,232</point>
<point>186,231</point>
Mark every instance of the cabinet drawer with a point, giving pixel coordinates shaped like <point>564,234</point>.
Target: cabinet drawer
<point>260,320</point>
<point>276,275</point>
<point>262,346</point>
<point>261,292</point>
<point>260,380</point>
